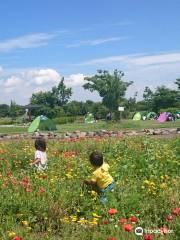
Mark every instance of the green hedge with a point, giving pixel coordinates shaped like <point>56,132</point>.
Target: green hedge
<point>64,120</point>
<point>171,110</point>
<point>6,121</point>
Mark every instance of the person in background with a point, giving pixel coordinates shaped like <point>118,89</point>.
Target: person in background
<point>40,159</point>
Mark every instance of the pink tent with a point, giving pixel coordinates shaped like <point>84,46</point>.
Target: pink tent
<point>162,118</point>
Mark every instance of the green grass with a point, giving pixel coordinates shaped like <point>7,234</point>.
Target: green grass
<point>125,124</point>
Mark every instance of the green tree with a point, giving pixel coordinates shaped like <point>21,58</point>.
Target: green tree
<point>58,96</point>
<point>148,96</point>
<point>61,93</point>
<point>177,82</point>
<point>164,97</point>
<point>4,110</point>
<point>15,110</point>
<point>109,86</point>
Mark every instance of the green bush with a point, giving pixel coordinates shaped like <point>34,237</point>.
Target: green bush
<point>64,120</point>
<point>6,121</point>
<point>171,110</point>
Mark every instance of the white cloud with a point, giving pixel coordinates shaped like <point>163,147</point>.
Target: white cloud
<point>75,80</point>
<point>26,41</point>
<point>138,59</point>
<point>20,86</point>
<point>156,59</point>
<point>96,42</point>
<point>1,69</point>
<point>41,76</point>
<point>12,84</point>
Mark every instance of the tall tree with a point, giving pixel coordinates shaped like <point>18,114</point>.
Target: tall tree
<point>148,95</point>
<point>58,96</point>
<point>61,93</point>
<point>4,110</point>
<point>177,82</point>
<point>109,86</point>
<point>164,97</point>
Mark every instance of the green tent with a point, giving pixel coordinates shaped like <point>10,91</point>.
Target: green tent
<point>137,116</point>
<point>42,123</point>
<point>89,118</point>
<point>151,115</point>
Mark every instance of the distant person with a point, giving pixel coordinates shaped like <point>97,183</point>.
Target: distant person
<point>100,179</point>
<point>40,159</point>
<point>173,117</point>
<point>108,117</point>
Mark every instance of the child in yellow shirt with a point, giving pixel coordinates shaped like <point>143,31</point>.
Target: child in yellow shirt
<point>100,178</point>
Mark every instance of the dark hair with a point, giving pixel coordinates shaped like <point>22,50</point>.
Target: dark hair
<point>40,144</point>
<point>96,158</point>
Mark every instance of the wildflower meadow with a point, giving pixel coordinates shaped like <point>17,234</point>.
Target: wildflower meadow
<point>54,204</point>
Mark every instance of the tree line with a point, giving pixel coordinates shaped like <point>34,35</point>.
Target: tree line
<point>110,87</point>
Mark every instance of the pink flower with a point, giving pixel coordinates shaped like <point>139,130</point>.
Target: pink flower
<point>128,227</point>
<point>148,237</point>
<point>112,211</point>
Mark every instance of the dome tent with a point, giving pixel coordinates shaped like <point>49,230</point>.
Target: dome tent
<point>42,123</point>
<point>89,118</point>
<point>137,116</point>
<point>162,117</point>
<point>151,115</point>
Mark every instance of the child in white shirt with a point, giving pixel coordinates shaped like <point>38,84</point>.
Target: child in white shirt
<point>40,159</point>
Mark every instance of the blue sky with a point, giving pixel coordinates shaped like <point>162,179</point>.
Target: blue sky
<point>41,41</point>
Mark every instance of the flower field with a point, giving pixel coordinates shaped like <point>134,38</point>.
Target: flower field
<point>54,204</point>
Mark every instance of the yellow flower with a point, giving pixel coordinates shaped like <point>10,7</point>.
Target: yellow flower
<point>25,223</point>
<point>96,216</point>
<point>146,182</point>
<point>11,234</point>
<point>29,228</point>
<point>163,185</point>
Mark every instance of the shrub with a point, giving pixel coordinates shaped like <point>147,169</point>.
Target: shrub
<point>6,121</point>
<point>171,110</point>
<point>64,120</point>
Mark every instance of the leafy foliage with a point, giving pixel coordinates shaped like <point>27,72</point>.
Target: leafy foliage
<point>109,86</point>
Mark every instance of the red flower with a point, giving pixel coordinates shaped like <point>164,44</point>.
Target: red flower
<point>176,211</point>
<point>13,181</point>
<point>148,237</point>
<point>41,190</point>
<point>28,189</point>
<point>122,220</point>
<point>128,227</point>
<point>112,211</point>
<point>169,218</point>
<point>133,219</point>
<point>17,238</point>
<point>8,173</point>
<point>25,182</point>
<point>164,230</point>
<point>111,238</point>
<point>104,221</point>
<point>69,154</point>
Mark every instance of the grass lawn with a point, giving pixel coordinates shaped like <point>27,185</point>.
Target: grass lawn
<point>125,124</point>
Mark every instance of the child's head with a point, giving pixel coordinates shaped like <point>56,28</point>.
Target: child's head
<point>96,159</point>
<point>40,144</point>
